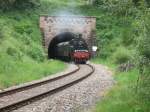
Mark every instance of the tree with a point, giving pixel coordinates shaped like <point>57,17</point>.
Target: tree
<point>8,4</point>
<point>136,2</point>
<point>148,3</point>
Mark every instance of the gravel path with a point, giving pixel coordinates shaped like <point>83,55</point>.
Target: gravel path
<point>77,98</point>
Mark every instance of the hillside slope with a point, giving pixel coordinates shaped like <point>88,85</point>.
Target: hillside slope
<point>22,56</point>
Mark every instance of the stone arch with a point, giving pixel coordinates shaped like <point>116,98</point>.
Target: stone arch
<point>51,26</point>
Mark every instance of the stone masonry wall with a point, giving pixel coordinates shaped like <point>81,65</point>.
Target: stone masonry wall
<point>54,25</point>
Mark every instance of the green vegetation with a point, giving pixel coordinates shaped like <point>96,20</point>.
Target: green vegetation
<point>121,55</point>
<point>21,54</point>
<point>122,98</point>
<point>22,57</point>
<point>122,37</point>
<point>14,73</point>
<point>19,4</point>
<point>124,41</point>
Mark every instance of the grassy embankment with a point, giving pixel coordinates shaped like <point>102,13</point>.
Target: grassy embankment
<point>22,57</point>
<point>123,96</point>
<point>123,31</point>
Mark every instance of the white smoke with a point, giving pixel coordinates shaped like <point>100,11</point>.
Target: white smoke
<point>69,17</point>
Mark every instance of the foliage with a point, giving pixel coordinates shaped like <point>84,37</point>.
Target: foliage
<point>148,3</point>
<point>98,2</point>
<point>131,18</point>
<point>123,97</point>
<point>1,33</point>
<point>14,53</point>
<point>143,32</point>
<point>121,55</point>
<point>36,53</point>
<point>128,36</point>
<point>8,4</point>
<point>21,54</point>
<point>16,72</point>
<point>143,87</point>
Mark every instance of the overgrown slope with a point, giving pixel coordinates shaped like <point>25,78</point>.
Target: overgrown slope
<point>124,46</point>
<point>22,57</point>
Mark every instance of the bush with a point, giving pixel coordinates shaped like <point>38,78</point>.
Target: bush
<point>8,4</point>
<point>25,3</point>
<point>145,48</point>
<point>36,53</point>
<point>143,27</point>
<point>148,3</point>
<point>1,31</point>
<point>14,53</point>
<point>23,28</point>
<point>127,36</point>
<point>98,2</point>
<point>122,55</point>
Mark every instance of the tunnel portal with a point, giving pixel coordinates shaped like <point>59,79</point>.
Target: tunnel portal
<point>63,37</point>
<point>52,28</point>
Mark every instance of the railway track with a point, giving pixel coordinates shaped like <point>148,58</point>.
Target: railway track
<point>18,97</point>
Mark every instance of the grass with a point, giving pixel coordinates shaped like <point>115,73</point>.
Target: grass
<point>22,57</point>
<point>14,73</point>
<point>106,62</point>
<point>123,96</point>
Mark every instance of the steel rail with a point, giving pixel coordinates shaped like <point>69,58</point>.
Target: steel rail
<point>19,104</point>
<point>29,86</point>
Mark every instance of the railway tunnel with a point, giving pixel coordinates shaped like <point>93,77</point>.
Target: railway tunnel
<point>57,29</point>
<point>62,37</point>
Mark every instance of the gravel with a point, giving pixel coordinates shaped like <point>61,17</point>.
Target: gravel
<point>13,98</point>
<point>77,98</point>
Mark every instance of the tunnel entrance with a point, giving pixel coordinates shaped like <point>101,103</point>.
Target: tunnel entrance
<point>50,26</point>
<point>63,37</point>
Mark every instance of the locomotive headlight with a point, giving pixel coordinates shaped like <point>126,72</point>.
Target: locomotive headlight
<point>94,48</point>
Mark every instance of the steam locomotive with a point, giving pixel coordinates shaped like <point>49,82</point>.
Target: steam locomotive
<point>75,50</point>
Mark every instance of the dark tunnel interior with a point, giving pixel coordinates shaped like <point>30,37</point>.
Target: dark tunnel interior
<point>63,37</point>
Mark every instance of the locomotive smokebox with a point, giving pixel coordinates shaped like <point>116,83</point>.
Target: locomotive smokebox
<point>56,29</point>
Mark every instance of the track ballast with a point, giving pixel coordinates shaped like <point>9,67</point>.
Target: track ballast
<point>16,98</point>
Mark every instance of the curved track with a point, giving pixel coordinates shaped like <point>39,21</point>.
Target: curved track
<point>18,97</point>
